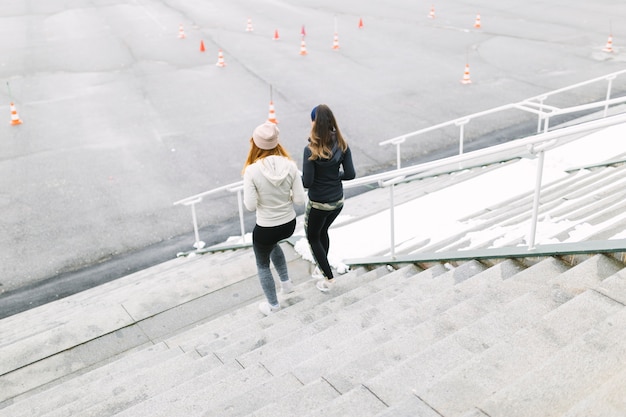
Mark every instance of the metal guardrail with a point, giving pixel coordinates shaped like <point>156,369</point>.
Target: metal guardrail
<point>536,144</point>
<point>617,246</point>
<point>534,105</point>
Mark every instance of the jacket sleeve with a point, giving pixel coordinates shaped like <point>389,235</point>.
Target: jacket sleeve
<point>250,196</point>
<point>298,195</point>
<point>348,167</point>
<point>308,169</point>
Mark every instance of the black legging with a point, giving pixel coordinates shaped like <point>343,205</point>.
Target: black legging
<point>316,227</point>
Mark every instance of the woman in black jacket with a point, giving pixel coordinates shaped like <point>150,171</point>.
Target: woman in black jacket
<point>326,163</point>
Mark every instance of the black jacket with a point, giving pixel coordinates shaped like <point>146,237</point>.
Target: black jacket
<point>322,177</point>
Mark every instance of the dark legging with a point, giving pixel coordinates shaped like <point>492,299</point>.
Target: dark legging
<point>265,243</point>
<point>316,226</point>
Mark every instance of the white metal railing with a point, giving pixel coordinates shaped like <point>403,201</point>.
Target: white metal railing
<point>195,199</point>
<point>534,105</point>
<point>537,144</point>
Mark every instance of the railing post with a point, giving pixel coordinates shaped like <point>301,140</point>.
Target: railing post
<point>535,214</point>
<point>198,244</point>
<point>461,124</point>
<point>241,223</point>
<point>546,123</point>
<point>541,100</point>
<point>610,79</point>
<point>393,222</point>
<point>398,156</point>
<point>391,184</point>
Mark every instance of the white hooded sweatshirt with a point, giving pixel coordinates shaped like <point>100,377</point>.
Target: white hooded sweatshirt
<point>271,186</point>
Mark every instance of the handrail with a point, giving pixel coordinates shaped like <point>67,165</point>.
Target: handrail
<point>507,147</point>
<point>548,140</point>
<point>542,110</point>
<point>552,249</point>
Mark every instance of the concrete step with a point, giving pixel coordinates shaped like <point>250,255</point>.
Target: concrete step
<point>429,351</point>
<point>36,358</point>
<point>571,373</point>
<point>356,398</point>
<point>608,400</point>
<point>296,313</point>
<point>48,397</point>
<point>185,389</point>
<point>452,394</point>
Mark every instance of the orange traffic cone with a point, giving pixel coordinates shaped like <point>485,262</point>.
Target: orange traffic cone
<point>272,114</point>
<point>477,21</point>
<point>609,45</point>
<point>276,37</point>
<point>335,41</point>
<point>220,59</point>
<point>15,119</point>
<point>202,49</point>
<point>431,15</point>
<point>360,23</point>
<point>303,47</point>
<point>466,76</point>
<point>249,26</point>
<point>181,32</point>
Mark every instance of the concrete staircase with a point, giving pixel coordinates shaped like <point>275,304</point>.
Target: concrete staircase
<point>521,337</point>
<point>537,335</point>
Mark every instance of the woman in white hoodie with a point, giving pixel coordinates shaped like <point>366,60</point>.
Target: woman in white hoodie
<point>271,186</point>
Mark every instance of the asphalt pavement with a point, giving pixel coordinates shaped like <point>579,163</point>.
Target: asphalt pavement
<point>123,113</point>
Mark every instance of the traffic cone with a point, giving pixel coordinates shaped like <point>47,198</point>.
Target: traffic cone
<point>15,119</point>
<point>466,76</point>
<point>302,31</point>
<point>303,47</point>
<point>249,26</point>
<point>276,37</point>
<point>360,23</point>
<point>477,21</point>
<point>431,15</point>
<point>220,59</point>
<point>181,32</point>
<point>609,45</point>
<point>202,49</point>
<point>335,41</point>
<point>272,114</point>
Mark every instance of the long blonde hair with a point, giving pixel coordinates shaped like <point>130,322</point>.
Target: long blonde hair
<point>255,153</point>
<point>321,137</point>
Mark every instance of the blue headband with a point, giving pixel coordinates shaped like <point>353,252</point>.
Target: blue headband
<point>313,113</point>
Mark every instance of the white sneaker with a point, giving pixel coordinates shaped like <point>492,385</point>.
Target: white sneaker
<point>325,285</point>
<point>286,287</point>
<point>268,309</point>
<point>317,274</point>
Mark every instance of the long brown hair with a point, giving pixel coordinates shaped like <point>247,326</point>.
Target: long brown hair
<point>257,153</point>
<point>321,137</point>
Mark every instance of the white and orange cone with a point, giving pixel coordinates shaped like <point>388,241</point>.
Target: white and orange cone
<point>609,44</point>
<point>272,114</point>
<point>466,76</point>
<point>431,14</point>
<point>202,48</point>
<point>15,119</point>
<point>477,21</point>
<point>276,36</point>
<point>249,27</point>
<point>335,41</point>
<point>181,32</point>
<point>303,50</point>
<point>220,59</point>
<point>361,23</point>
